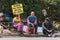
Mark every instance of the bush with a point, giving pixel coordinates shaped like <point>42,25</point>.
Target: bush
<point>36,5</point>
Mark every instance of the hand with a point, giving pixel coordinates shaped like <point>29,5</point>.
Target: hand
<point>28,22</point>
<point>31,23</point>
<point>35,23</point>
<point>49,30</point>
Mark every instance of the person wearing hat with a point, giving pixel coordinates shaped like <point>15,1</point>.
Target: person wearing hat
<point>48,28</point>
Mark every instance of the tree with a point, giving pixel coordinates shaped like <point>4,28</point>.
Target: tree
<point>52,7</point>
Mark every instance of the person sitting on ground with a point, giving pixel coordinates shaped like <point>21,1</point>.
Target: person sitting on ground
<point>18,23</point>
<point>32,21</point>
<point>48,28</point>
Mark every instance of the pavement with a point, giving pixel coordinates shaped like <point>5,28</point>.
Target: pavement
<point>31,38</point>
<point>16,35</point>
<point>8,34</point>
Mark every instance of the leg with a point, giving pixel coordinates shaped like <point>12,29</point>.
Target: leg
<point>20,28</point>
<point>32,30</point>
<point>15,27</point>
<point>35,28</point>
<point>45,32</point>
<point>52,33</point>
<point>29,27</point>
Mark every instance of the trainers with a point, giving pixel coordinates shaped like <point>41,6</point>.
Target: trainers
<point>53,35</point>
<point>49,35</point>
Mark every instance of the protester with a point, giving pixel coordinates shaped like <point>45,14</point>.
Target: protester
<point>48,28</point>
<point>32,21</point>
<point>18,23</point>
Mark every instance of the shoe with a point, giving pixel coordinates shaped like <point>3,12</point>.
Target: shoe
<point>49,35</point>
<point>53,35</point>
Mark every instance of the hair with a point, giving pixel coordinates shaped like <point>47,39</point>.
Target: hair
<point>47,19</point>
<point>32,11</point>
<point>17,15</point>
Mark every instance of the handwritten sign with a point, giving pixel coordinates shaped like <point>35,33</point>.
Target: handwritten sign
<point>17,9</point>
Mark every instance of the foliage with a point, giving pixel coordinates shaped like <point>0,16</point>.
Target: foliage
<point>52,7</point>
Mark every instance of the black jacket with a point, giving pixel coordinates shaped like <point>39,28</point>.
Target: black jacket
<point>48,26</point>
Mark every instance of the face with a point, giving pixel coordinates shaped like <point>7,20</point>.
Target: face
<point>32,14</point>
<point>18,16</point>
<point>46,21</point>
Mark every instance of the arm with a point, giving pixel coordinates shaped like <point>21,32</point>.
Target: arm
<point>52,27</point>
<point>28,22</point>
<point>35,20</point>
<point>44,26</point>
<point>13,20</point>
